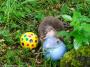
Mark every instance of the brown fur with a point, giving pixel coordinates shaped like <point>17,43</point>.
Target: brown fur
<point>49,23</point>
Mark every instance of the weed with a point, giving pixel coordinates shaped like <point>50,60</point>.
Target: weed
<point>80,29</point>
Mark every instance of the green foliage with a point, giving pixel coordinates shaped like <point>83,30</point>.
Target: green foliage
<point>6,36</point>
<point>12,16</point>
<point>13,10</point>
<point>79,58</point>
<point>80,29</point>
<point>67,17</point>
<point>12,58</point>
<point>65,9</point>
<point>80,32</point>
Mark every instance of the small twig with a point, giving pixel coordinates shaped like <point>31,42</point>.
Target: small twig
<point>38,53</point>
<point>2,40</point>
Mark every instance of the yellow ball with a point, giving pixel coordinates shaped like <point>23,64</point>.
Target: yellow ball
<point>29,40</point>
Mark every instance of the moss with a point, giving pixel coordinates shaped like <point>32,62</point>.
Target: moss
<point>76,58</point>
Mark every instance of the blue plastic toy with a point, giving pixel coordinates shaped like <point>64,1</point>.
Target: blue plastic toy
<point>53,48</point>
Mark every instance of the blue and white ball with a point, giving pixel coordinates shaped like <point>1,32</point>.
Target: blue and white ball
<point>53,48</point>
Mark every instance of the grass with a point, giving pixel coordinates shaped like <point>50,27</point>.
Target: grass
<point>19,16</point>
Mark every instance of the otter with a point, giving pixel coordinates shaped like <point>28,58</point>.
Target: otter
<point>49,26</point>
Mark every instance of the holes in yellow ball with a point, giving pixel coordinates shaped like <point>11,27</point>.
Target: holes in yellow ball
<point>22,44</point>
<point>27,44</point>
<point>29,35</point>
<point>26,39</point>
<point>36,37</point>
<point>22,38</point>
<point>25,35</point>
<point>35,41</point>
<point>31,40</point>
<point>32,45</point>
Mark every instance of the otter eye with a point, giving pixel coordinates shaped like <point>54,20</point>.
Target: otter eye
<point>45,32</point>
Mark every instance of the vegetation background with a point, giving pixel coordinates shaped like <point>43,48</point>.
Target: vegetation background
<point>19,16</point>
